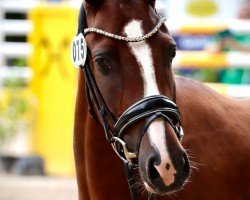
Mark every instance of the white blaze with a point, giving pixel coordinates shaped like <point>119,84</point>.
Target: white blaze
<point>143,55</point>
<point>157,137</point>
<point>156,131</point>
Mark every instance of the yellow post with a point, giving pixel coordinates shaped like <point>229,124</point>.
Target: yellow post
<point>54,85</point>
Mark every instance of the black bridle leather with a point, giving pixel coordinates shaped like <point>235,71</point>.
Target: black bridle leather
<point>148,109</point>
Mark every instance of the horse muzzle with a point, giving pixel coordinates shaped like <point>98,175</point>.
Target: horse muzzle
<point>148,109</point>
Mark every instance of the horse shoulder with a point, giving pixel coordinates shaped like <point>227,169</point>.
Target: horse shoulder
<point>217,134</point>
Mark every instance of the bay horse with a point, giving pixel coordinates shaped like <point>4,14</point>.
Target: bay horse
<point>128,96</point>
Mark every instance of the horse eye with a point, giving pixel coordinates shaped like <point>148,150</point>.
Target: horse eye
<point>102,65</point>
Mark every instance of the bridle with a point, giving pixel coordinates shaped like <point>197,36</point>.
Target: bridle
<point>147,109</point>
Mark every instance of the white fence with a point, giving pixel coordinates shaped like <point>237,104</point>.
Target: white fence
<point>13,27</point>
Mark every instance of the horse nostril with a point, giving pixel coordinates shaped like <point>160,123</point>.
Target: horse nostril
<point>184,161</point>
<point>153,174</point>
<point>186,166</point>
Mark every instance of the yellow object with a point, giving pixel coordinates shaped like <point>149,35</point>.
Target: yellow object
<point>204,26</point>
<point>203,59</point>
<point>54,84</point>
<point>202,8</point>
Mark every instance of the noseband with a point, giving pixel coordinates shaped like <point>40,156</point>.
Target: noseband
<point>147,109</point>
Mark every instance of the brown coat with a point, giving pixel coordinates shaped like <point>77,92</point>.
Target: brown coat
<point>217,139</point>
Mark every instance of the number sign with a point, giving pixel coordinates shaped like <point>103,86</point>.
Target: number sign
<point>78,50</point>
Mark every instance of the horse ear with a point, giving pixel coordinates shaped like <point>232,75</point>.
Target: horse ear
<point>82,20</point>
<point>95,3</point>
<point>151,2</point>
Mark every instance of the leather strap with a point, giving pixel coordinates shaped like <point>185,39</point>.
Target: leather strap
<point>90,104</point>
<point>129,171</point>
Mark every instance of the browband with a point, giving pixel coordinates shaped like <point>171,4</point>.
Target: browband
<point>126,39</point>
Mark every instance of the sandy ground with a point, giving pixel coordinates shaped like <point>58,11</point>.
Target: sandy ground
<point>37,188</point>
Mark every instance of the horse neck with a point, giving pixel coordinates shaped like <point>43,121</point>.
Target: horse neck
<point>202,107</point>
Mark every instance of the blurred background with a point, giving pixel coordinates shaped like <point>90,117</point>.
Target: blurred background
<point>38,82</point>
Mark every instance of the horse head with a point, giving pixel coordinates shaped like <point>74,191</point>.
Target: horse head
<point>136,81</point>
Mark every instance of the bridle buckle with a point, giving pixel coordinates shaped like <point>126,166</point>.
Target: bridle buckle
<point>128,155</point>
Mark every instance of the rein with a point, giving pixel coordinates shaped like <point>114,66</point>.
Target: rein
<point>148,109</point>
